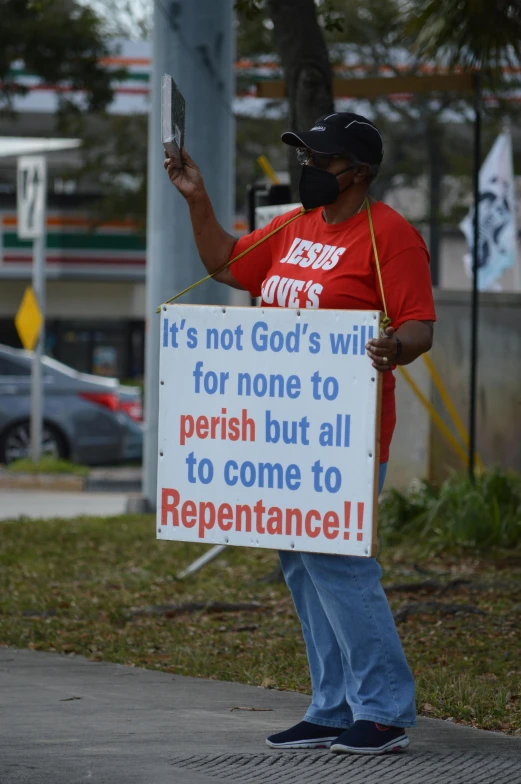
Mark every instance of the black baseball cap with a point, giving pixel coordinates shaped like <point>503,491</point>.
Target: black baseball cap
<point>341,132</point>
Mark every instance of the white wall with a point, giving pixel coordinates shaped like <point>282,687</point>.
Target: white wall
<point>409,457</point>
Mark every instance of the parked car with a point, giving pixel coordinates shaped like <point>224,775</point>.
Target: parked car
<point>87,419</point>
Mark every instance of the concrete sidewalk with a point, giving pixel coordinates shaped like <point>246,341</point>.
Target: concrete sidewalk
<point>65,720</point>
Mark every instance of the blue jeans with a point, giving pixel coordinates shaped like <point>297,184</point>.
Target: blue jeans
<point>356,661</point>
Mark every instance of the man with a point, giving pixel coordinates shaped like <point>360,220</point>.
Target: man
<point>363,689</point>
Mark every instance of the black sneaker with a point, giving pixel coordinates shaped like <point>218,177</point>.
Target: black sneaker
<point>305,735</point>
<point>367,737</point>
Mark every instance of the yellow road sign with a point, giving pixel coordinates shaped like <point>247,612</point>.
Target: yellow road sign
<point>28,320</point>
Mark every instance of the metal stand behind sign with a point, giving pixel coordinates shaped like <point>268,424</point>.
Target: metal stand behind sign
<point>31,220</point>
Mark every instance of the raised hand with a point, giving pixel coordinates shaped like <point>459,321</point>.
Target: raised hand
<point>187,180</point>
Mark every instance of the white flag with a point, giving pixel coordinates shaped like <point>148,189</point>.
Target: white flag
<point>497,250</point>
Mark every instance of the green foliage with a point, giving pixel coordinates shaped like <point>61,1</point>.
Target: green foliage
<point>61,42</point>
<point>255,25</point>
<point>375,25</point>
<point>47,465</point>
<point>329,16</point>
<point>471,33</point>
<point>114,162</point>
<point>251,9</point>
<point>457,516</point>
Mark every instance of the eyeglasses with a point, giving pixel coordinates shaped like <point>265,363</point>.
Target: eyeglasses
<point>320,160</point>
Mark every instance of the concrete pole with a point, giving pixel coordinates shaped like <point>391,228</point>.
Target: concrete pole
<point>194,43</point>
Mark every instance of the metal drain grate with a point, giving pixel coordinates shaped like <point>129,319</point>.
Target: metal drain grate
<point>410,768</point>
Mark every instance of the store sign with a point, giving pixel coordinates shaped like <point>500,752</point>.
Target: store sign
<point>31,196</point>
<point>268,428</point>
<point>264,215</point>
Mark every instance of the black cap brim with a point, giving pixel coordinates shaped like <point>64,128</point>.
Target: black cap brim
<point>316,141</point>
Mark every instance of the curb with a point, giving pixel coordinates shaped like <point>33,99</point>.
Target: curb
<point>52,482</point>
<point>95,482</point>
<point>138,504</point>
<point>95,485</point>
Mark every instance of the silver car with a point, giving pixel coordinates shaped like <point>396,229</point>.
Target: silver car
<point>87,419</point>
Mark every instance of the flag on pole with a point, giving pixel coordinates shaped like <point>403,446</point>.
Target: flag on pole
<point>497,250</point>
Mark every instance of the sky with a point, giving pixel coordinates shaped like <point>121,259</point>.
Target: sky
<point>131,19</point>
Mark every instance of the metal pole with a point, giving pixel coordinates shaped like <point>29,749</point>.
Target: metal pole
<point>194,43</point>
<point>202,561</point>
<point>507,128</point>
<point>435,180</point>
<point>475,290</point>
<point>36,369</point>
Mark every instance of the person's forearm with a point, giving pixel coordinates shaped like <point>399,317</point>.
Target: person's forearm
<point>214,244</point>
<point>416,339</point>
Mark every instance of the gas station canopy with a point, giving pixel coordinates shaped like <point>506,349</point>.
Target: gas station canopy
<point>12,146</point>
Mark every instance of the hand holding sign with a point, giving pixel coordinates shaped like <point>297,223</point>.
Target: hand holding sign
<point>187,180</point>
<point>383,350</point>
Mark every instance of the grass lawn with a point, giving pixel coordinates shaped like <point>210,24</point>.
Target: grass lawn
<point>77,587</point>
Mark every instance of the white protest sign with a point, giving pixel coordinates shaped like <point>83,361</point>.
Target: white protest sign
<point>268,428</point>
<point>31,195</point>
<point>264,215</point>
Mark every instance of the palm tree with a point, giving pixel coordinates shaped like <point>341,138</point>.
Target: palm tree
<point>479,34</point>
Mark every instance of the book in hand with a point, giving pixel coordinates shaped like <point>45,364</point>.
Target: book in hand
<point>172,120</point>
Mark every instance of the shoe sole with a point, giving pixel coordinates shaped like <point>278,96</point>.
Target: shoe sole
<point>323,743</point>
<point>394,746</point>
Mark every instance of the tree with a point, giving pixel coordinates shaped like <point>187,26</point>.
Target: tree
<point>114,164</point>
<point>305,61</point>
<point>64,44</point>
<point>419,135</point>
<point>130,19</point>
<point>59,41</point>
<point>298,31</point>
<point>298,35</point>
<point>413,132</point>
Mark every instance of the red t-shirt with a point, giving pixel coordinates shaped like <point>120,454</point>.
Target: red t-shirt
<point>314,264</point>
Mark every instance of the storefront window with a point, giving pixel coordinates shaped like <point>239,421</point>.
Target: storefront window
<point>105,349</point>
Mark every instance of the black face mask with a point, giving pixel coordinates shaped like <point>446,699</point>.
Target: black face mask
<point>318,187</point>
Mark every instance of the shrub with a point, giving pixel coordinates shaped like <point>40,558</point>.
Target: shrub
<point>456,516</point>
<point>47,465</point>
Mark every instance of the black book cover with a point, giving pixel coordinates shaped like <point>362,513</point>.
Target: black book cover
<point>172,119</point>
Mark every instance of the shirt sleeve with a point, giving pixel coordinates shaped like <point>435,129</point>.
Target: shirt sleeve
<point>408,287</point>
<point>252,269</point>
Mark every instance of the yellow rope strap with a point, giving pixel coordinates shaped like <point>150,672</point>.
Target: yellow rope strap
<point>449,405</point>
<point>436,418</point>
<point>235,258</point>
<point>386,321</point>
